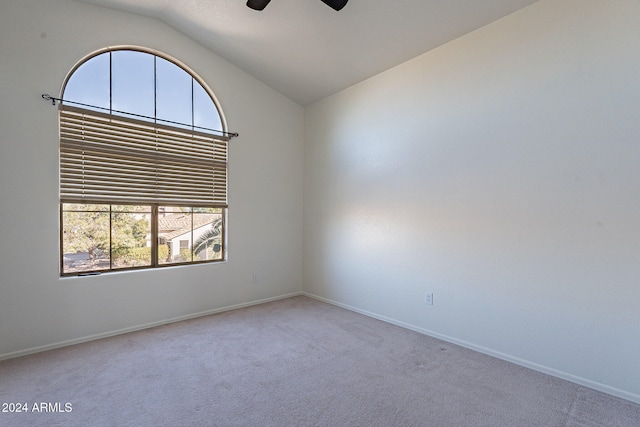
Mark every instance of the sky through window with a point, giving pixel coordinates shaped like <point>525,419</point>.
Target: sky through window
<point>142,84</point>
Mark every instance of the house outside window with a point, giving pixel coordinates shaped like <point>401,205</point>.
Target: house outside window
<point>143,165</point>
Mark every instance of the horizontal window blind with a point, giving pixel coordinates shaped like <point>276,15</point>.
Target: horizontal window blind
<point>114,159</point>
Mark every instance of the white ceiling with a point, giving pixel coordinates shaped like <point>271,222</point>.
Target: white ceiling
<point>306,50</point>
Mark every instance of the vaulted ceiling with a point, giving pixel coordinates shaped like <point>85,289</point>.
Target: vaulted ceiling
<point>306,50</point>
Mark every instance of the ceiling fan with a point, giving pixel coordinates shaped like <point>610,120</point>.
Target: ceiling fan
<point>261,4</point>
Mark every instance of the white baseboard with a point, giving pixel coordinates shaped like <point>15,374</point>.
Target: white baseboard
<point>108,334</point>
<point>518,361</point>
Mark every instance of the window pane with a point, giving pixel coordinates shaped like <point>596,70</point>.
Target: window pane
<point>174,228</point>
<point>205,113</point>
<point>130,236</point>
<point>85,241</point>
<point>189,234</point>
<point>207,210</point>
<point>89,84</point>
<point>207,234</point>
<point>173,93</point>
<point>82,207</point>
<point>133,82</point>
<point>131,208</point>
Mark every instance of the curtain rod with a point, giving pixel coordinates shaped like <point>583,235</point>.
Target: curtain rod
<point>53,100</point>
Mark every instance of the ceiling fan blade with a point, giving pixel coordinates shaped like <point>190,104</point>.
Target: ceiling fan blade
<point>258,4</point>
<point>335,4</point>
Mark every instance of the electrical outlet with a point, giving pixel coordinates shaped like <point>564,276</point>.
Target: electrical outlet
<point>428,298</point>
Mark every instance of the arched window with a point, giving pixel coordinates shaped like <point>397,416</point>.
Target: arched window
<point>143,165</point>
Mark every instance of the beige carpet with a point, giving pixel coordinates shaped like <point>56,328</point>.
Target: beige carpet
<point>294,362</point>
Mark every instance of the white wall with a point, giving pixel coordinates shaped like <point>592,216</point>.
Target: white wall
<point>502,173</point>
<point>39,43</point>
